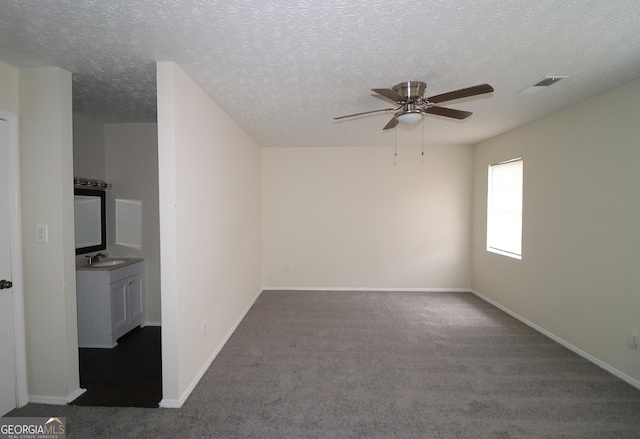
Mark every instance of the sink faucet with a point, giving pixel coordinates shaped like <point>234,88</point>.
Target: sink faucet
<point>95,258</point>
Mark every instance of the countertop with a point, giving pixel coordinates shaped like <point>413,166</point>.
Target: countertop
<point>82,265</point>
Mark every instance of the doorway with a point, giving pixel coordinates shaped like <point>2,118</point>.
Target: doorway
<point>125,154</point>
<point>13,378</point>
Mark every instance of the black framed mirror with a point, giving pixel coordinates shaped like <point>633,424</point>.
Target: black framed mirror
<point>90,220</point>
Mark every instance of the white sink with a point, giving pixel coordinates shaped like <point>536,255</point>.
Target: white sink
<point>107,263</point>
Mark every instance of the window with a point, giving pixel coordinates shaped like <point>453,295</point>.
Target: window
<point>504,208</point>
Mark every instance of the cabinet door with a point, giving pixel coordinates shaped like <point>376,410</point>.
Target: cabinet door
<point>136,299</point>
<point>119,308</point>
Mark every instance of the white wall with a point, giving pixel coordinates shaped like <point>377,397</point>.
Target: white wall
<point>362,218</point>
<point>131,165</point>
<point>210,213</point>
<point>88,148</point>
<point>9,88</point>
<point>46,166</point>
<point>578,278</point>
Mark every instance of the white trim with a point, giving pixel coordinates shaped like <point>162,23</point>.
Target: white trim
<point>623,376</point>
<point>50,400</point>
<point>22,394</point>
<point>177,403</point>
<point>172,403</point>
<point>57,400</point>
<point>152,323</point>
<point>504,253</point>
<point>75,394</point>
<point>504,162</point>
<point>418,290</point>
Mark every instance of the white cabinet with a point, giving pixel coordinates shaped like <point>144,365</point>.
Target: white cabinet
<point>110,303</point>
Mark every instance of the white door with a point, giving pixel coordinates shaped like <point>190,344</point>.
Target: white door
<point>8,394</point>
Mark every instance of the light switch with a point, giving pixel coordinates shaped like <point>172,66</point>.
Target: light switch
<point>42,233</point>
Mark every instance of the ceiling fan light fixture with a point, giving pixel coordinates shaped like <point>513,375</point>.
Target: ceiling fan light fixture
<point>412,105</point>
<point>409,117</point>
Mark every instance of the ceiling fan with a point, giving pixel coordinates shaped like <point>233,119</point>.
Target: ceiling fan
<point>412,105</point>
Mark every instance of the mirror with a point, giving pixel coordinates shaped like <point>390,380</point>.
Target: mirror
<point>90,218</point>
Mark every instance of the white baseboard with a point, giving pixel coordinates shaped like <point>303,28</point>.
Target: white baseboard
<point>177,403</point>
<point>418,290</point>
<point>51,400</point>
<point>152,323</point>
<point>172,403</point>
<point>56,400</point>
<point>79,391</point>
<point>612,370</point>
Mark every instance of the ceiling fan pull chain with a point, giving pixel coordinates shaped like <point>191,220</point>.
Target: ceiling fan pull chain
<point>422,137</point>
<point>395,146</point>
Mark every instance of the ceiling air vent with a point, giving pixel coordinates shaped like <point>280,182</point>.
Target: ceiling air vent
<point>541,84</point>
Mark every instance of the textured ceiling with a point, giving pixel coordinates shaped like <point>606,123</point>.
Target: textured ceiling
<point>284,69</point>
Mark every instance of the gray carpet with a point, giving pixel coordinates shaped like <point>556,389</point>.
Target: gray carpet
<point>381,365</point>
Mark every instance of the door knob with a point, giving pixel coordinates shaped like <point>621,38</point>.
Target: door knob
<point>5,284</point>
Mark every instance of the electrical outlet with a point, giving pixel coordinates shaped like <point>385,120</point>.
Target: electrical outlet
<point>488,277</point>
<point>633,340</point>
<point>289,269</point>
<point>204,330</point>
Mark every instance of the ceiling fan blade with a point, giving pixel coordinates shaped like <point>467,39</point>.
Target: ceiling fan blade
<point>462,93</point>
<point>392,123</point>
<point>365,112</point>
<point>448,112</point>
<point>389,94</point>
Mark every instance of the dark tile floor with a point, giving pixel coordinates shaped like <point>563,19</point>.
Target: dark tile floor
<point>129,375</point>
